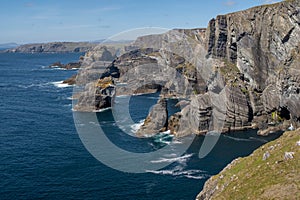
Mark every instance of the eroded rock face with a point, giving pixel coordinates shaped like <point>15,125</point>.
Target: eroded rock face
<point>263,42</point>
<point>260,40</point>
<point>156,121</point>
<point>96,96</point>
<point>238,73</point>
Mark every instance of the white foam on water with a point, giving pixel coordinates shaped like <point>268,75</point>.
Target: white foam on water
<point>102,110</point>
<point>135,127</point>
<point>168,132</point>
<point>238,139</point>
<point>153,97</point>
<point>181,159</point>
<point>60,84</point>
<point>176,142</point>
<point>191,174</point>
<point>258,139</point>
<point>122,96</point>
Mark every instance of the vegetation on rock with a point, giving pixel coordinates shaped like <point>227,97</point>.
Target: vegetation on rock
<point>270,172</point>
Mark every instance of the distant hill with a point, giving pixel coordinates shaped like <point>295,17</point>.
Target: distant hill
<point>8,46</point>
<point>60,47</point>
<point>51,47</point>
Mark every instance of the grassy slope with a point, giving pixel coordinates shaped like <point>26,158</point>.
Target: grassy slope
<point>254,178</point>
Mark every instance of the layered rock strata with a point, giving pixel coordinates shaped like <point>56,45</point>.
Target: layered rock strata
<point>241,72</point>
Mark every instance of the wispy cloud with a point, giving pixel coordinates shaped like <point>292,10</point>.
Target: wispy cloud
<point>101,9</point>
<point>28,4</point>
<point>230,3</point>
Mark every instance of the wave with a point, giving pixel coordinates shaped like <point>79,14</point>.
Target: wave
<point>238,139</point>
<point>135,127</point>
<point>122,96</point>
<point>164,137</point>
<point>204,176</point>
<point>181,159</point>
<point>176,142</point>
<point>191,174</point>
<point>250,139</point>
<point>152,97</point>
<point>102,110</point>
<point>258,139</point>
<point>60,84</point>
<point>43,66</point>
<point>24,86</point>
<point>58,68</point>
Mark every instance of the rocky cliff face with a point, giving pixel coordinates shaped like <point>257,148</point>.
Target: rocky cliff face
<point>156,121</point>
<point>241,72</point>
<point>261,41</point>
<point>260,47</point>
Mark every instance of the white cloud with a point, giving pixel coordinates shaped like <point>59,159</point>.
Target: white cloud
<point>230,3</point>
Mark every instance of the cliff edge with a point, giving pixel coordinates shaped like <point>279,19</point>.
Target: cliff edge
<point>270,172</point>
<point>242,71</point>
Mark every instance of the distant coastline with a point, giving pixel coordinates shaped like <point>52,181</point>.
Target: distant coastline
<point>57,47</point>
<point>52,47</point>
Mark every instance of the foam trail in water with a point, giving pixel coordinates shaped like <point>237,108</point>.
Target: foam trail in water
<point>60,84</point>
<point>258,139</point>
<point>180,159</point>
<point>102,110</point>
<point>238,139</point>
<point>191,174</point>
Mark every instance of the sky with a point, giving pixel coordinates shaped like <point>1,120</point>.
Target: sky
<point>35,21</point>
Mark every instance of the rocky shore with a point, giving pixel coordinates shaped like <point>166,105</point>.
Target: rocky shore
<point>241,72</point>
<point>270,172</point>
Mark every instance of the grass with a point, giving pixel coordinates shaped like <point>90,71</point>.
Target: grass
<point>105,82</point>
<point>254,178</point>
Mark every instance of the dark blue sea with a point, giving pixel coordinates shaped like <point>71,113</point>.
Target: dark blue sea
<point>42,156</point>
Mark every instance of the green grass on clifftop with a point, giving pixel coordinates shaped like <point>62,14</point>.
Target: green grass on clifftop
<point>253,177</point>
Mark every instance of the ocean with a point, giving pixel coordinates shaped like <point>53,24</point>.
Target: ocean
<point>42,156</point>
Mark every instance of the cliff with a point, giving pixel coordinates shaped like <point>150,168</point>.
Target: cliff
<point>270,172</point>
<point>241,72</point>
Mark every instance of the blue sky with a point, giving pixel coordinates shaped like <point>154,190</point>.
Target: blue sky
<point>66,20</point>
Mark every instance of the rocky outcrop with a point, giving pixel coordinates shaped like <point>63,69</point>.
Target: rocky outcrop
<point>241,72</point>
<point>72,65</point>
<point>275,165</point>
<point>96,96</point>
<point>156,121</point>
<point>260,50</point>
<point>71,80</point>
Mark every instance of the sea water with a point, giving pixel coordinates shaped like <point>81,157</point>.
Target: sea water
<point>42,157</point>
